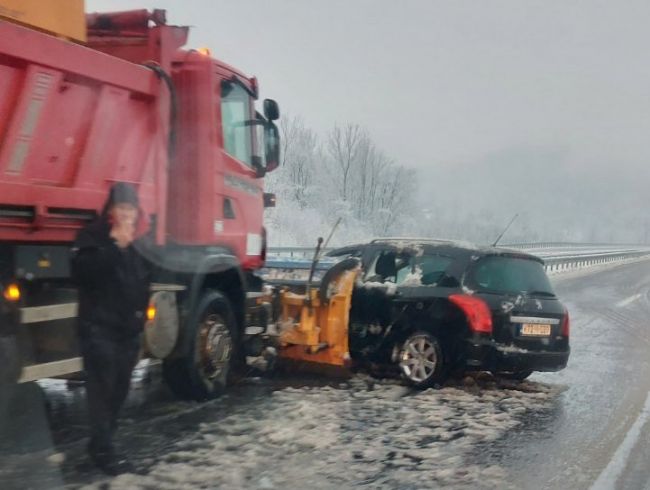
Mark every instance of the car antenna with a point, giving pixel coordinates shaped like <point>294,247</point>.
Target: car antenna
<point>506,229</point>
<point>336,225</point>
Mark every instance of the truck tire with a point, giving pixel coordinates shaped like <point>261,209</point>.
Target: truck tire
<point>202,372</point>
<point>421,360</point>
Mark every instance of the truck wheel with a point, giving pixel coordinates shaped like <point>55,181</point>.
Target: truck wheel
<point>421,361</point>
<point>202,373</point>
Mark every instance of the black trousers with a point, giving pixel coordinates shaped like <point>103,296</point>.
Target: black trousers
<point>9,372</point>
<point>108,364</point>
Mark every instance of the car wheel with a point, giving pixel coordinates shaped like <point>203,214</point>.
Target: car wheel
<point>514,375</point>
<point>202,373</point>
<point>421,361</point>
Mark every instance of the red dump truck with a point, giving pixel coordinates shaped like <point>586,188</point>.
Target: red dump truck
<point>127,103</point>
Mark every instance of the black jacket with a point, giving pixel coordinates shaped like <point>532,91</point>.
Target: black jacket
<point>113,284</point>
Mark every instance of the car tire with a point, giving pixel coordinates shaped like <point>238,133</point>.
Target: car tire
<point>202,372</point>
<point>421,360</point>
<point>514,375</point>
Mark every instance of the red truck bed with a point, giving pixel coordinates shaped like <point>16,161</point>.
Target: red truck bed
<point>73,120</point>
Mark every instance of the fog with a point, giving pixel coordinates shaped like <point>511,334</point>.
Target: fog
<point>532,107</point>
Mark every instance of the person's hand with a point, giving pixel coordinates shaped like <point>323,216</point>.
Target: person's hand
<point>123,234</point>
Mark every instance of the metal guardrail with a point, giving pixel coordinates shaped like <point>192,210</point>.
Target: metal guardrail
<point>568,245</point>
<point>568,262</point>
<point>308,252</point>
<point>294,252</point>
<point>557,256</point>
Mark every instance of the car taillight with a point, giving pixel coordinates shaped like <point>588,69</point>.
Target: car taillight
<point>566,324</point>
<point>476,310</point>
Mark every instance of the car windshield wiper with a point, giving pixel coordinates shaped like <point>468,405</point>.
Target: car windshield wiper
<point>541,293</point>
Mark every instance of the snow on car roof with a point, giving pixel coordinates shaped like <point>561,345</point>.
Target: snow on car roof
<point>420,243</point>
<point>406,242</point>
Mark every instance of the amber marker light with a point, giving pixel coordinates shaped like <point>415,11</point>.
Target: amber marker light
<point>12,293</point>
<point>151,313</point>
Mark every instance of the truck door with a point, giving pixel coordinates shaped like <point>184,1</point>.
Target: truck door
<point>242,197</point>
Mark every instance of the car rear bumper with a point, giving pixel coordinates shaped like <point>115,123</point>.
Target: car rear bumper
<point>485,354</point>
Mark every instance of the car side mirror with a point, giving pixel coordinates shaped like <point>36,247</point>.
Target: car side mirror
<point>271,110</point>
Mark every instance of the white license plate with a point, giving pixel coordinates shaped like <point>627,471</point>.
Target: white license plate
<point>535,330</point>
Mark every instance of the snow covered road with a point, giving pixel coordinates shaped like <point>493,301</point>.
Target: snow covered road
<point>357,433</point>
<point>561,430</point>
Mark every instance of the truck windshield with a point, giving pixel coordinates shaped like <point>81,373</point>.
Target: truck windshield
<point>509,275</point>
<point>235,121</point>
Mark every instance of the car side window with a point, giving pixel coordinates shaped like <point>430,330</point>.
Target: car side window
<point>487,276</point>
<point>388,266</point>
<point>433,269</point>
<point>395,267</point>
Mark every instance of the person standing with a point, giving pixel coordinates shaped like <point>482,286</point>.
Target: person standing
<point>113,280</point>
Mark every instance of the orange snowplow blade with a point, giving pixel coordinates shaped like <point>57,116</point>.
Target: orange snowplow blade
<point>316,331</point>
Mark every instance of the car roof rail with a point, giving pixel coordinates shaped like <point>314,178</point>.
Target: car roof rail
<point>409,239</point>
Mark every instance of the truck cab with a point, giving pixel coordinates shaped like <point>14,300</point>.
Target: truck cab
<point>126,102</point>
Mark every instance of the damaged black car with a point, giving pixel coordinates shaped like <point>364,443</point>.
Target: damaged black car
<point>431,308</point>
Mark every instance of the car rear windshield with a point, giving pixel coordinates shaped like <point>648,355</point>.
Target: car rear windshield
<point>509,275</point>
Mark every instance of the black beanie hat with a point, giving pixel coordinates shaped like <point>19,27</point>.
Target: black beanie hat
<point>120,193</point>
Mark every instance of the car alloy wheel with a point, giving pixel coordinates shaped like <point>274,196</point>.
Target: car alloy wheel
<point>420,358</point>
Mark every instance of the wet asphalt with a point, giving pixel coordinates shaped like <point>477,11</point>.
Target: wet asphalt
<point>566,440</point>
<point>569,444</point>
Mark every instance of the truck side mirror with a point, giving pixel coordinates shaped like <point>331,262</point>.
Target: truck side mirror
<point>271,146</point>
<point>271,110</point>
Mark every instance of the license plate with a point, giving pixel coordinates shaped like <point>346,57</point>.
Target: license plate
<point>536,330</point>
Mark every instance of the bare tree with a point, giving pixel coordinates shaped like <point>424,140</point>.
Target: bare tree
<point>396,197</point>
<point>349,177</point>
<point>300,155</point>
<point>343,145</point>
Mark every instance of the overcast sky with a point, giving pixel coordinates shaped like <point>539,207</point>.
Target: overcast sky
<point>440,81</point>
<point>443,85</point>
